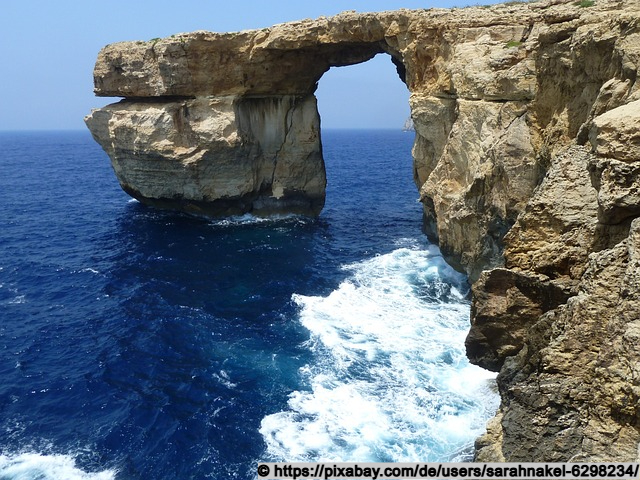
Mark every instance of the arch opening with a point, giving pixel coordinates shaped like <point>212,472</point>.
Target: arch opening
<point>363,109</point>
<point>364,95</point>
<point>227,141</point>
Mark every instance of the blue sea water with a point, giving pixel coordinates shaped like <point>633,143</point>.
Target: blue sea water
<point>143,344</point>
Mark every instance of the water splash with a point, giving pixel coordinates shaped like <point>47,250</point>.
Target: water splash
<point>34,466</point>
<point>390,381</point>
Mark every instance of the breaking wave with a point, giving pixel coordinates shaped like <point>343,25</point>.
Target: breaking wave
<point>390,381</point>
<point>34,466</point>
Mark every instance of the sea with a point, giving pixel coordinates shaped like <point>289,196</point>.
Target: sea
<point>137,343</point>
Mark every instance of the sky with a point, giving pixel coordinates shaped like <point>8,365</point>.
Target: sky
<point>49,49</point>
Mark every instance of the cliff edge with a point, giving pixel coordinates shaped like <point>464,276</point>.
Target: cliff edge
<point>527,159</point>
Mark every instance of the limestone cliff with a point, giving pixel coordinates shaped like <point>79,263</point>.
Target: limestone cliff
<point>217,155</point>
<point>527,158</point>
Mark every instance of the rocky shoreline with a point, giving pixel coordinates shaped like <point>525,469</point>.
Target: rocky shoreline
<point>527,158</point>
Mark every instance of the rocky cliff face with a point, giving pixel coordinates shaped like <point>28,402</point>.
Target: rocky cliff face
<point>527,157</point>
<point>217,155</point>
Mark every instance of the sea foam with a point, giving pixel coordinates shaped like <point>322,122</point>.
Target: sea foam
<point>34,466</point>
<point>390,380</point>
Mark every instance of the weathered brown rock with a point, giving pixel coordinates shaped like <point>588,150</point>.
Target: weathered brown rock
<point>546,253</point>
<point>506,303</point>
<point>615,137</point>
<point>217,156</point>
<point>573,391</point>
<point>451,58</point>
<point>570,392</point>
<point>481,182</point>
<point>527,159</point>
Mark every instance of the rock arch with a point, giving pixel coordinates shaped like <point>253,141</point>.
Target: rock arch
<point>222,124</point>
<point>526,157</point>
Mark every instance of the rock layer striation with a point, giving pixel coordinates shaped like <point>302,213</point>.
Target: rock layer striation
<point>527,159</point>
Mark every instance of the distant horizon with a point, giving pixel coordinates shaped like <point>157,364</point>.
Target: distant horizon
<point>86,130</point>
<point>49,68</point>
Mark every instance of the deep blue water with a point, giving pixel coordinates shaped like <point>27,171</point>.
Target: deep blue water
<point>142,344</point>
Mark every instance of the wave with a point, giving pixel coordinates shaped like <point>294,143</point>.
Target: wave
<point>34,466</point>
<point>10,295</point>
<point>249,219</point>
<point>390,380</point>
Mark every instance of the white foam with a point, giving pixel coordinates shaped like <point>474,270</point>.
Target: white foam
<point>391,381</point>
<point>18,300</point>
<point>249,219</point>
<point>32,466</point>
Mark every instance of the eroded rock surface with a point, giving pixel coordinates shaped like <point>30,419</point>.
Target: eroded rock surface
<point>217,155</point>
<point>527,160</point>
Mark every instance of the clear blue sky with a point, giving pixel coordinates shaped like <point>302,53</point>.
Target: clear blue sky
<point>49,49</point>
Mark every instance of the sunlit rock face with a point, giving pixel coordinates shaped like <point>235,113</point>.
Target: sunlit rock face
<point>527,161</point>
<point>224,124</point>
<point>217,156</point>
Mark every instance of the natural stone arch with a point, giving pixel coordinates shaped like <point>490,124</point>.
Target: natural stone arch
<point>221,124</point>
<point>240,133</point>
<point>504,101</point>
